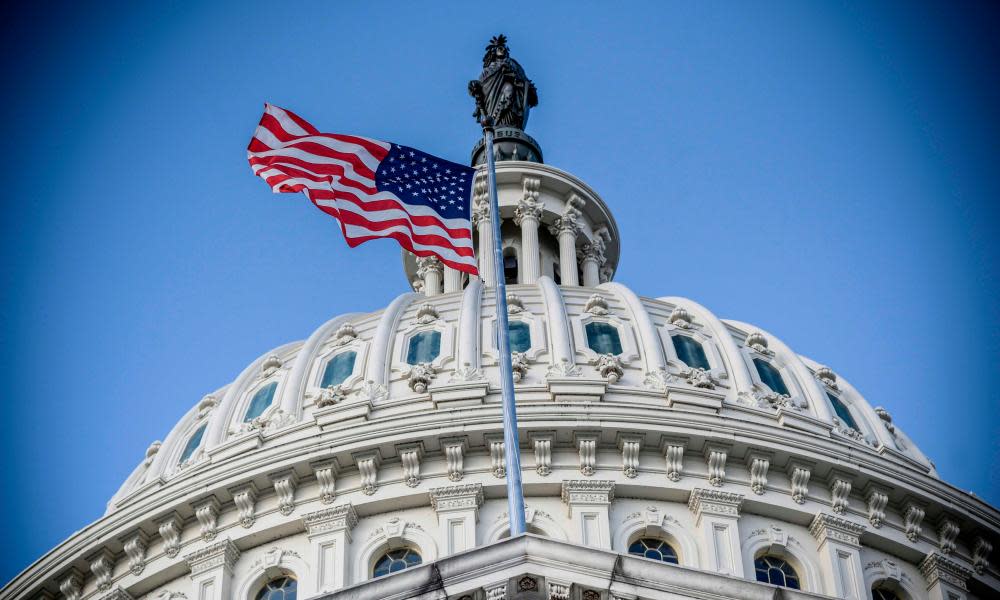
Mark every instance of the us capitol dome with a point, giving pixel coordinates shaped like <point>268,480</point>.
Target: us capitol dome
<point>666,452</point>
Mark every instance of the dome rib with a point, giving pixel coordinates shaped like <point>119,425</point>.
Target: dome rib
<point>379,361</point>
<point>558,322</point>
<point>652,348</point>
<point>470,316</point>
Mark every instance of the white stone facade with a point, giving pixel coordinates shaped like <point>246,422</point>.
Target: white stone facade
<point>614,447</point>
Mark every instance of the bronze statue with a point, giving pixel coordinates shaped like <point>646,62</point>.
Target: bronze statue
<point>503,93</point>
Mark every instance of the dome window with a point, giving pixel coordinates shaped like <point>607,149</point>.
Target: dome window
<point>770,377</point>
<point>260,402</point>
<point>776,571</point>
<point>395,560</point>
<point>881,593</point>
<point>520,336</point>
<point>282,588</point>
<point>192,444</point>
<point>603,338</point>
<point>653,548</point>
<point>690,352</point>
<point>424,347</point>
<point>843,413</point>
<point>338,369</point>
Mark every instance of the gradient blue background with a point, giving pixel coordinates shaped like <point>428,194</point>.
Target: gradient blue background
<point>826,171</point>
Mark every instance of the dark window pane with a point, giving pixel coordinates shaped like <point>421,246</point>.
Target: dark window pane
<point>338,369</point>
<point>776,571</point>
<point>192,444</point>
<point>690,352</point>
<point>424,347</point>
<point>283,588</point>
<point>653,548</point>
<point>843,413</point>
<point>603,338</point>
<point>395,560</point>
<point>261,400</point>
<point>520,336</point>
<point>770,377</point>
<point>510,269</point>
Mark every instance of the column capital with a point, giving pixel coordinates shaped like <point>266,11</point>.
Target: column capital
<point>593,250</point>
<point>335,518</point>
<point>937,566</point>
<point>117,593</point>
<point>220,554</point>
<point>829,527</point>
<point>481,214</point>
<point>426,264</point>
<point>715,502</point>
<point>566,224</point>
<point>588,491</point>
<point>457,497</point>
<point>527,208</point>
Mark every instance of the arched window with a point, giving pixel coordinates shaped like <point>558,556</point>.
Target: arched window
<point>338,369</point>
<point>192,444</point>
<point>395,560</point>
<point>520,336</point>
<point>282,588</point>
<point>843,413</point>
<point>261,400</point>
<point>603,338</point>
<point>424,347</point>
<point>883,593</point>
<point>777,571</point>
<point>509,266</point>
<point>771,377</point>
<point>653,548</point>
<point>690,352</point>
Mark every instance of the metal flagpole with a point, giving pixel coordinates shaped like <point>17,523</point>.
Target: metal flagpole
<point>512,451</point>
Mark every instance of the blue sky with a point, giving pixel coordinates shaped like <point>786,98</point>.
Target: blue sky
<point>827,171</point>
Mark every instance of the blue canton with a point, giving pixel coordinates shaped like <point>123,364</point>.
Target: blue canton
<point>421,179</point>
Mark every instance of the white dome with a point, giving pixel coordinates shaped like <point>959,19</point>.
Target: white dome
<point>377,441</point>
<point>652,375</point>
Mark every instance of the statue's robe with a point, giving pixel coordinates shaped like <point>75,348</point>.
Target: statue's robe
<point>505,88</point>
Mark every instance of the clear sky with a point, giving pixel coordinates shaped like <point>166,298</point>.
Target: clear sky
<point>825,170</point>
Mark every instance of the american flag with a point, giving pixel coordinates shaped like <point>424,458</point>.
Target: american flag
<point>374,189</point>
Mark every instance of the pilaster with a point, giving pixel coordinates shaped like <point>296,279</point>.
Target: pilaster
<point>717,515</point>
<point>839,549</point>
<point>212,570</point>
<point>588,502</point>
<point>329,532</point>
<point>457,507</point>
<point>946,579</point>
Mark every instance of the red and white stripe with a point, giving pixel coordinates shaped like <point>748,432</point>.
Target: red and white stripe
<point>337,173</point>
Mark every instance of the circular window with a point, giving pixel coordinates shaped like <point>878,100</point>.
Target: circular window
<point>653,548</point>
<point>395,560</point>
<point>777,571</point>
<point>282,588</point>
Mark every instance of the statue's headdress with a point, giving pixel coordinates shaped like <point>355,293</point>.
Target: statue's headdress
<point>496,42</point>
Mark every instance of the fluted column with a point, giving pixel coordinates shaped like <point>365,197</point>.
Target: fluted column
<point>527,215</point>
<point>565,229</point>
<point>452,280</point>
<point>429,268</point>
<point>592,257</point>
<point>481,219</point>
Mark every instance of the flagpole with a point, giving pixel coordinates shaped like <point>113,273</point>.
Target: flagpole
<point>512,450</point>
